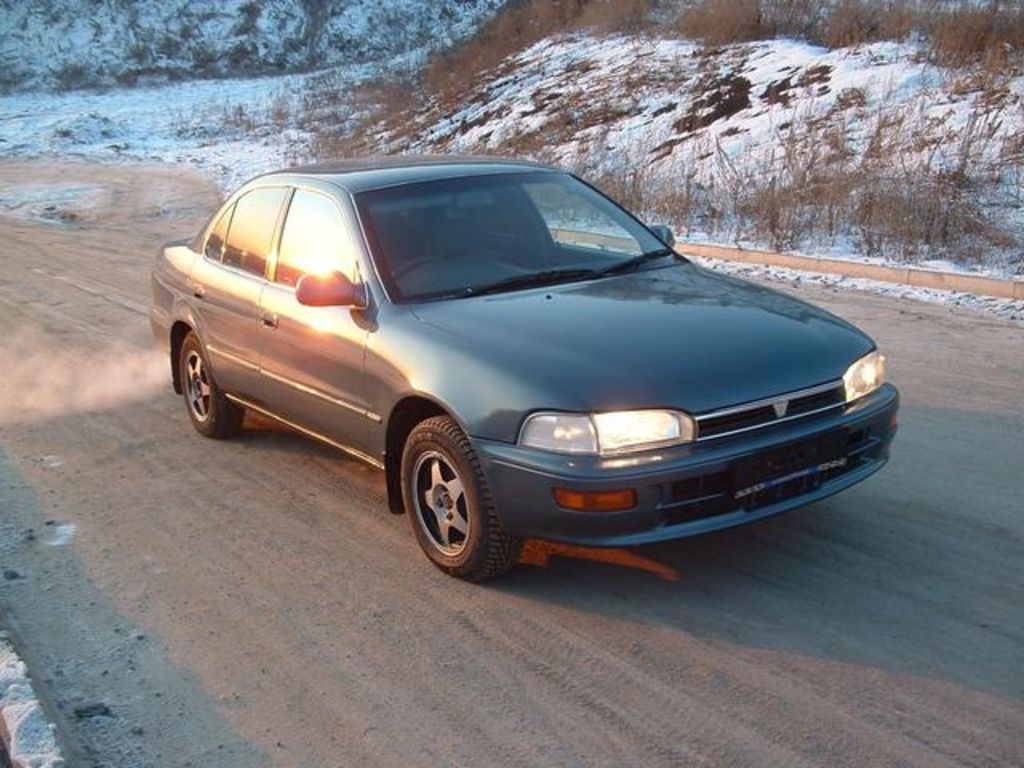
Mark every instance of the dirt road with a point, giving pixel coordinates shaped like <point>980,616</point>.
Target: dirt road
<point>190,602</point>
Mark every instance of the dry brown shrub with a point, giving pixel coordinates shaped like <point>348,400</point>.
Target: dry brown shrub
<point>522,24</point>
<point>614,15</point>
<point>719,22</point>
<point>993,35</point>
<point>855,22</point>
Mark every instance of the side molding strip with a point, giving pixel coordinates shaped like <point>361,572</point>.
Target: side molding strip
<point>309,432</point>
<point>322,395</point>
<point>232,358</point>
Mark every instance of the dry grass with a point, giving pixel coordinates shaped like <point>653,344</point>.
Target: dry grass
<point>895,193</point>
<point>993,34</point>
<point>720,22</point>
<point>855,22</point>
<point>522,24</point>
<point>895,199</point>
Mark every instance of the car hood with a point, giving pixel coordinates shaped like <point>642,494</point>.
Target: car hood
<point>679,337</point>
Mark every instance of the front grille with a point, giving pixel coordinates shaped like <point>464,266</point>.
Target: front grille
<point>763,413</point>
<point>782,471</point>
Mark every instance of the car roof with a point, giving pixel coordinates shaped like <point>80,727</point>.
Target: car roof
<point>364,174</point>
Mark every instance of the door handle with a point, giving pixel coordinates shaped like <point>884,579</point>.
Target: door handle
<point>269,320</point>
<point>198,291</point>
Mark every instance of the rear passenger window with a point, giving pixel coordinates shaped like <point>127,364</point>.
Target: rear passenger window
<point>315,240</point>
<point>252,228</point>
<point>215,242</point>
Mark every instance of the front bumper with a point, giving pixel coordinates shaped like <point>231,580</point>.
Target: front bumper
<point>697,488</point>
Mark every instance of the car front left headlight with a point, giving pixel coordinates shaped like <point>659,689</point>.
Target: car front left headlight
<point>864,376</point>
<point>607,433</point>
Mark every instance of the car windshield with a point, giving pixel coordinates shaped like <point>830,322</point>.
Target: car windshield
<point>499,232</point>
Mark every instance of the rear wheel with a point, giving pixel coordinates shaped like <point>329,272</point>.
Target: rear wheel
<point>211,413</point>
<point>450,506</point>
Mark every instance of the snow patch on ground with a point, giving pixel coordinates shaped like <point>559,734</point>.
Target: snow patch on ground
<point>32,741</point>
<point>1008,309</point>
<point>63,534</point>
<point>61,204</point>
<point>226,129</point>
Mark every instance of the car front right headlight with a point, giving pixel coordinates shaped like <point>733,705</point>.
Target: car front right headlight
<point>864,376</point>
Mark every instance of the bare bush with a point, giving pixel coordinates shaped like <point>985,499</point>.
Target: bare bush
<point>522,24</point>
<point>991,35</point>
<point>855,22</point>
<point>719,22</point>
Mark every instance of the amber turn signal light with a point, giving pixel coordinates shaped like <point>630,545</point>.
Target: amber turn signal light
<point>595,501</point>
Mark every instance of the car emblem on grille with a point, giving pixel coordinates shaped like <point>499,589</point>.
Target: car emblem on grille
<point>780,407</point>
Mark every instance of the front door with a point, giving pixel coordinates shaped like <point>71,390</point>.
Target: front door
<point>311,358</point>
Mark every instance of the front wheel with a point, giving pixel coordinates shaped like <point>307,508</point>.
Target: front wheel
<point>211,413</point>
<point>450,506</point>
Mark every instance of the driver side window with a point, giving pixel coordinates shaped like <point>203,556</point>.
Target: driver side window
<point>315,240</point>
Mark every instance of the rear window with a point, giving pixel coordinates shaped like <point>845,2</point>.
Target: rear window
<point>252,229</point>
<point>215,242</point>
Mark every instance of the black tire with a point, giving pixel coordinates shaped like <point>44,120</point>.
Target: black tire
<point>210,412</point>
<point>485,549</point>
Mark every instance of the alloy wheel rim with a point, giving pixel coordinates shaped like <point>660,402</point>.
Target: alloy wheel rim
<point>441,504</point>
<point>197,386</point>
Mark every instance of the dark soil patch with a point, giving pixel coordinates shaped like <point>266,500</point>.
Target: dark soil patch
<point>722,98</point>
<point>777,92</point>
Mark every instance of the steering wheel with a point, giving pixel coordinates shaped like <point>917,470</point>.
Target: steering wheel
<point>411,266</point>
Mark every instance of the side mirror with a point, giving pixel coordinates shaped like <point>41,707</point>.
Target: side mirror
<point>664,233</point>
<point>333,290</point>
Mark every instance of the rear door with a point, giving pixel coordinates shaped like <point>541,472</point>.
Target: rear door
<point>312,357</point>
<point>226,284</point>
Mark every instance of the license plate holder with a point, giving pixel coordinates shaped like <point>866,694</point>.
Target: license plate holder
<point>782,464</point>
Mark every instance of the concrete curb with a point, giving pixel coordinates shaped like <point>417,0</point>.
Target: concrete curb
<point>921,278</point>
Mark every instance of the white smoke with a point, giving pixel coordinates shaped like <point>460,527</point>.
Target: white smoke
<point>39,380</point>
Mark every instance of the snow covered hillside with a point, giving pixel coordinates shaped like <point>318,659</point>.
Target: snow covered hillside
<point>67,44</point>
<point>823,144</point>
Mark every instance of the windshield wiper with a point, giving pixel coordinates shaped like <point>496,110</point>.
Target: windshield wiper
<point>637,261</point>
<point>549,276</point>
<point>546,277</point>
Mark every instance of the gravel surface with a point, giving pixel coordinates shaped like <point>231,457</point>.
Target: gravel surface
<point>252,602</point>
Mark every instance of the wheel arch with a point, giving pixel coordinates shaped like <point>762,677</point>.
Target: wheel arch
<point>179,330</point>
<point>409,411</point>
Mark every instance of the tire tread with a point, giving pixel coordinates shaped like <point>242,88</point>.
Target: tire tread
<point>501,549</point>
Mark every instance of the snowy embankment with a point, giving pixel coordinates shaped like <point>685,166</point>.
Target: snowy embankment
<point>28,736</point>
